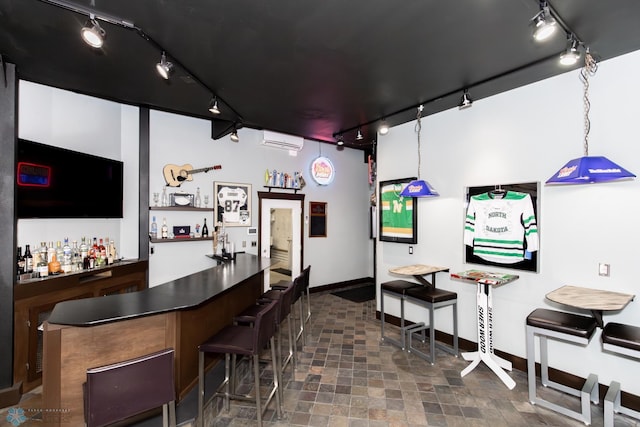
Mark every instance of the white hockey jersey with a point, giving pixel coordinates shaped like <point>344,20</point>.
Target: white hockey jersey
<point>496,227</point>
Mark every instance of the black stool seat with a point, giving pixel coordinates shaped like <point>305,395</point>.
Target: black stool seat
<point>626,336</point>
<point>398,286</point>
<point>430,294</point>
<point>566,323</point>
<point>232,339</point>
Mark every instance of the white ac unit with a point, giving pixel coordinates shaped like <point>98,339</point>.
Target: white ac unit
<point>282,141</point>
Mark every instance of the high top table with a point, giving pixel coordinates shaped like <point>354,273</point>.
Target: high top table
<point>594,300</point>
<point>485,282</point>
<point>418,271</point>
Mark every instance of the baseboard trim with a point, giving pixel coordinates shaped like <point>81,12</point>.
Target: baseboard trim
<point>628,400</point>
<point>341,285</point>
<point>10,396</point>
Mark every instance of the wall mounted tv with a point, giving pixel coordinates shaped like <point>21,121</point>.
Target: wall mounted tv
<point>53,182</point>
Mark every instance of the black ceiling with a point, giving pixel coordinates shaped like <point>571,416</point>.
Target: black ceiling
<point>309,68</point>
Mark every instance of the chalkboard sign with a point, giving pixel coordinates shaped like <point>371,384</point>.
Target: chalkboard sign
<point>317,219</point>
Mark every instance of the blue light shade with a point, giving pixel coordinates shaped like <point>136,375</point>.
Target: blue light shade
<point>589,169</point>
<point>419,188</point>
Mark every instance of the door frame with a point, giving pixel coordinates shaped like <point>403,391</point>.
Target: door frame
<point>282,196</point>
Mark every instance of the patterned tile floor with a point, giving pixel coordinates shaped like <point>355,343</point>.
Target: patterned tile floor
<point>347,377</point>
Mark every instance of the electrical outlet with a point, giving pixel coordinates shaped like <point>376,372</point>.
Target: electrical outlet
<point>410,250</point>
<point>604,269</point>
<point>151,250</point>
<point>254,244</point>
<point>244,243</point>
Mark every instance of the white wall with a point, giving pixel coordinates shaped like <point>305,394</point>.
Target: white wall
<point>521,136</point>
<point>56,117</point>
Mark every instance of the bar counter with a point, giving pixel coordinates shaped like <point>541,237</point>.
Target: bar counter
<point>180,314</point>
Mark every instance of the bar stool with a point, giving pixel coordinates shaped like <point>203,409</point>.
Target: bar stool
<point>285,299</point>
<point>621,339</point>
<point>432,298</point>
<point>132,387</point>
<point>297,300</point>
<point>568,327</point>
<point>396,289</point>
<point>245,341</point>
<point>306,274</point>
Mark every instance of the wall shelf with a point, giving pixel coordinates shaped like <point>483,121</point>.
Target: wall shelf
<point>295,190</point>
<point>179,208</point>
<point>181,239</point>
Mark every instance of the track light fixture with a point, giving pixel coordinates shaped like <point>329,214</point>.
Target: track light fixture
<point>359,135</point>
<point>465,101</point>
<point>234,135</point>
<point>164,67</point>
<point>340,140</point>
<point>384,127</point>
<point>92,33</point>
<point>213,106</point>
<point>571,55</point>
<point>544,24</point>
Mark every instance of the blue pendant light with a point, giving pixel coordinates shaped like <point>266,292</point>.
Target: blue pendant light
<point>589,169</point>
<point>419,187</point>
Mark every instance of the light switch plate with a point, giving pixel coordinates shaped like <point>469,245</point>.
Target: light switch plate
<point>604,269</point>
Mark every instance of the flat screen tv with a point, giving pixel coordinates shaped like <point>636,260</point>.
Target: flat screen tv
<point>53,182</point>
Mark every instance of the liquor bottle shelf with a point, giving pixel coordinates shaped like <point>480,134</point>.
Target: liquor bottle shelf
<point>181,239</point>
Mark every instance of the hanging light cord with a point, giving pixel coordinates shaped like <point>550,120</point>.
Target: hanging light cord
<point>417,129</point>
<point>589,69</point>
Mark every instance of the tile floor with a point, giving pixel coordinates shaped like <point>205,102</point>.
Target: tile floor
<point>347,377</point>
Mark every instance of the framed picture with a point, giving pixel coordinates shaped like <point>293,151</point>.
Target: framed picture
<point>317,219</point>
<point>398,214</point>
<point>501,226</point>
<point>232,204</point>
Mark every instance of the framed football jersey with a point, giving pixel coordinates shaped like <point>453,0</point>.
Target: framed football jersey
<point>232,204</point>
<point>398,214</point>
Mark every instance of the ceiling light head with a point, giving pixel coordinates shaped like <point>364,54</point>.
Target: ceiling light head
<point>545,25</point>
<point>359,136</point>
<point>213,106</point>
<point>465,101</point>
<point>340,140</point>
<point>384,127</point>
<point>234,136</point>
<point>571,55</point>
<point>92,33</point>
<point>164,67</point>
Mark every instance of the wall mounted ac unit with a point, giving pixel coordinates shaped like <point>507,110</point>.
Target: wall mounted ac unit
<point>282,141</point>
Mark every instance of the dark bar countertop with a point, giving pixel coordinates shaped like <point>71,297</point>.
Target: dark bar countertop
<point>182,293</point>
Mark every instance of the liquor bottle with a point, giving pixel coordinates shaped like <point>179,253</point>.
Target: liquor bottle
<point>154,229</point>
<point>92,253</point>
<point>28,259</point>
<point>50,252</point>
<point>54,265</point>
<point>20,262</point>
<point>102,256</point>
<point>111,252</point>
<point>66,251</point>
<point>59,251</point>
<point>198,202</point>
<point>41,267</point>
<point>205,229</point>
<point>84,249</point>
<point>76,259</point>
<point>165,229</point>
<point>165,199</point>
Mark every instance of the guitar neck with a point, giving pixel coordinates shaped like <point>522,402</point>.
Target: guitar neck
<point>204,169</point>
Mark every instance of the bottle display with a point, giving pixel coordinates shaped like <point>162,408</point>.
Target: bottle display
<point>84,249</point>
<point>165,199</point>
<point>165,229</point>
<point>198,201</point>
<point>154,228</point>
<point>20,262</point>
<point>28,259</point>
<point>205,229</point>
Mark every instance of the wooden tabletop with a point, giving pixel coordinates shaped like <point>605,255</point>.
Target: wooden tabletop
<point>417,270</point>
<point>590,299</point>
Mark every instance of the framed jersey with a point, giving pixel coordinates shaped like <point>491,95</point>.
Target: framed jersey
<point>232,204</point>
<point>501,226</point>
<point>398,214</point>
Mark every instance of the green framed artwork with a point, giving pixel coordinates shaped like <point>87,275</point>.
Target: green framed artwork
<point>398,214</point>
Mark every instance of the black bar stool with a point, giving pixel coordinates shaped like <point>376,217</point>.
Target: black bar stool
<point>621,339</point>
<point>244,341</point>
<point>566,327</point>
<point>305,275</point>
<point>396,289</point>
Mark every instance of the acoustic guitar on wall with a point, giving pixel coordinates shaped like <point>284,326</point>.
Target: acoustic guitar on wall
<point>176,175</point>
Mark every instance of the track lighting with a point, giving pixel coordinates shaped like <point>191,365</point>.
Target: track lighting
<point>571,55</point>
<point>164,67</point>
<point>384,127</point>
<point>92,33</point>
<point>340,140</point>
<point>465,101</point>
<point>213,106</point>
<point>234,135</point>
<point>359,135</point>
<point>545,24</point>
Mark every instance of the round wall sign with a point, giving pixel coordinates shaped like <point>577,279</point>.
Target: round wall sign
<point>322,171</point>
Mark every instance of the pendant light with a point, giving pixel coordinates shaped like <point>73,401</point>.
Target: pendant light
<point>419,187</point>
<point>588,169</point>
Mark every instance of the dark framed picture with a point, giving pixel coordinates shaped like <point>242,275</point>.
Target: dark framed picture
<point>232,204</point>
<point>398,214</point>
<point>501,226</point>
<point>317,219</point>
